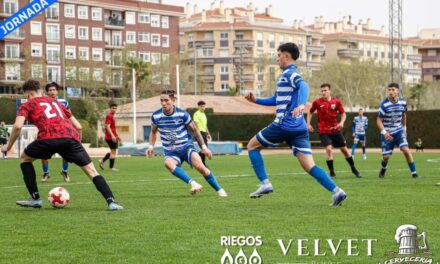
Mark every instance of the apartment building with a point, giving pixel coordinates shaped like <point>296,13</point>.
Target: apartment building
<point>83,43</point>
<point>345,40</point>
<point>429,48</point>
<point>236,47</point>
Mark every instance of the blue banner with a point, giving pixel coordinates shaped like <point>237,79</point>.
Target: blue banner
<point>23,16</point>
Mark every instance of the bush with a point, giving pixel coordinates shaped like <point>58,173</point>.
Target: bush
<point>88,133</point>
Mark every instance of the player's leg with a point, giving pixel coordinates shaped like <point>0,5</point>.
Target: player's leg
<point>354,146</point>
<point>403,145</point>
<point>3,141</point>
<point>45,166</point>
<point>196,163</point>
<point>364,143</point>
<point>107,155</point>
<point>387,151</point>
<point>205,140</point>
<point>112,158</point>
<point>327,144</point>
<point>64,171</point>
<point>338,141</point>
<point>172,163</point>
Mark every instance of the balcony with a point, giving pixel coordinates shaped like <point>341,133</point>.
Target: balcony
<point>210,77</point>
<point>415,58</point>
<point>314,65</point>
<point>204,44</point>
<point>431,58</point>
<point>114,23</point>
<point>18,34</point>
<point>247,77</point>
<point>349,53</point>
<point>241,43</point>
<point>115,63</point>
<point>315,50</point>
<point>417,72</point>
<point>113,44</point>
<point>12,58</point>
<point>246,60</point>
<point>205,61</point>
<point>12,80</point>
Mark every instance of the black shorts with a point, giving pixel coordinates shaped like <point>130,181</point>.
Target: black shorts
<point>337,140</point>
<point>111,144</point>
<point>3,141</point>
<point>70,149</point>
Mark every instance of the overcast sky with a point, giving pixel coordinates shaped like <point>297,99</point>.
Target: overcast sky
<point>417,14</point>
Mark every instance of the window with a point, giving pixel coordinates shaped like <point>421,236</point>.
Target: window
<point>12,71</point>
<point>155,40</point>
<point>166,58</point>
<point>52,12</point>
<point>144,18</point>
<point>131,37</point>
<point>239,36</point>
<point>97,54</point>
<point>98,75</point>
<point>53,53</point>
<point>224,53</point>
<point>53,32</point>
<point>83,73</point>
<point>208,36</point>
<point>166,78</point>
<point>432,52</point>
<point>83,33</point>
<point>37,71</point>
<point>155,58</point>
<point>12,51</point>
<point>36,49</point>
<point>70,31</point>
<point>271,41</point>
<point>11,6</point>
<point>70,52</point>
<point>205,52</point>
<point>165,22</point>
<point>155,78</point>
<point>224,86</point>
<point>69,10</point>
<point>165,41</point>
<point>97,34</point>
<point>130,18</point>
<point>97,13</point>
<point>224,36</point>
<point>35,28</point>
<point>224,70</point>
<point>83,12</point>
<point>71,73</point>
<point>144,37</point>
<point>259,39</point>
<point>155,21</point>
<point>131,54</point>
<point>281,39</point>
<point>83,53</point>
<point>145,56</point>
<point>53,74</point>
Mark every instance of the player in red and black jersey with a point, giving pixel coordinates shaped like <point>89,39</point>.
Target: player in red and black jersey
<point>111,137</point>
<point>329,128</point>
<point>58,132</point>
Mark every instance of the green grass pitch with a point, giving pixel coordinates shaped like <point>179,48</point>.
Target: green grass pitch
<point>163,223</point>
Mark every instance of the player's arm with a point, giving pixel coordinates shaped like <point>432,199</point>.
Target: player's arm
<point>16,130</point>
<point>303,94</point>
<point>271,101</point>
<point>196,132</point>
<point>343,115</point>
<point>366,125</point>
<point>77,125</point>
<point>353,127</point>
<point>152,140</point>
<point>382,128</point>
<point>310,115</point>
<point>109,130</point>
<point>404,122</point>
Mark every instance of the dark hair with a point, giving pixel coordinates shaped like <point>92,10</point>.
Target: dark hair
<point>52,84</point>
<point>112,104</point>
<point>199,103</point>
<point>291,48</point>
<point>170,93</point>
<point>31,85</point>
<point>326,85</point>
<point>393,85</point>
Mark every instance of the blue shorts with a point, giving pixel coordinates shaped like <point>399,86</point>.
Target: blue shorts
<point>181,155</point>
<point>272,135</point>
<point>361,138</point>
<point>399,139</point>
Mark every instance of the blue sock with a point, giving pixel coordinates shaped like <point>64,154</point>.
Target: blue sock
<point>363,150</point>
<point>65,165</point>
<point>321,176</point>
<point>213,182</point>
<point>353,149</point>
<point>258,164</point>
<point>412,167</point>
<point>181,174</point>
<point>45,168</point>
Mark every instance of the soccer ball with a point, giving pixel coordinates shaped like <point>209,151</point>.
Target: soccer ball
<point>59,197</point>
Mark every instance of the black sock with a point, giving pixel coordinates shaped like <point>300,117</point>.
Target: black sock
<point>30,179</point>
<point>330,166</point>
<point>203,156</point>
<point>103,188</point>
<point>384,164</point>
<point>350,161</point>
<point>112,163</point>
<point>106,157</point>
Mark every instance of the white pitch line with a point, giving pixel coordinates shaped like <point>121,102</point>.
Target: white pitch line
<point>174,179</point>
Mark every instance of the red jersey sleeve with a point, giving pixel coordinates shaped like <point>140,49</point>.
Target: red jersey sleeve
<point>66,111</point>
<point>23,111</point>
<point>314,107</point>
<point>108,120</point>
<point>340,107</point>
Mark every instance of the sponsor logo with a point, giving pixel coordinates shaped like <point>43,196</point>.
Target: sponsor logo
<point>247,256</point>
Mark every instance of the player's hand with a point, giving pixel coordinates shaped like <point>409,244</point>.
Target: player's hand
<point>354,134</point>
<point>298,110</point>
<point>209,137</point>
<point>114,139</point>
<point>4,149</point>
<point>250,97</point>
<point>310,128</point>
<point>149,152</point>
<point>388,137</point>
<point>207,153</point>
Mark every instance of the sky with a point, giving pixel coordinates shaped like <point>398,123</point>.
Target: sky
<point>417,14</point>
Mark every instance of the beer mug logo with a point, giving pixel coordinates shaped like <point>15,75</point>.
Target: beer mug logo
<point>408,240</point>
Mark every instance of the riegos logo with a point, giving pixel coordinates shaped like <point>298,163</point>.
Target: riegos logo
<point>241,241</point>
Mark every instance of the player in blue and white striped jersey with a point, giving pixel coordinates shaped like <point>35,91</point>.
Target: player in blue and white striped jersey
<point>359,129</point>
<point>52,91</point>
<point>391,122</point>
<point>173,124</point>
<point>289,126</point>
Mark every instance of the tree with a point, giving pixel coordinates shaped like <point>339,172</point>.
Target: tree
<point>143,71</point>
<point>418,91</point>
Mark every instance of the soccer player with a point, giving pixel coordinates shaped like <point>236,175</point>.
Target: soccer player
<point>201,121</point>
<point>4,135</point>
<point>58,132</point>
<point>391,122</point>
<point>329,128</point>
<point>289,126</point>
<point>111,137</point>
<point>359,129</point>
<point>419,145</point>
<point>52,91</point>
<point>173,124</point>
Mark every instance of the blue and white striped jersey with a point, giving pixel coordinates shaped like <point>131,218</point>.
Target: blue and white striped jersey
<point>173,128</point>
<point>392,113</point>
<point>360,125</point>
<point>64,102</point>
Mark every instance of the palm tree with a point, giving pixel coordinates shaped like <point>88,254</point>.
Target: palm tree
<point>143,72</point>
